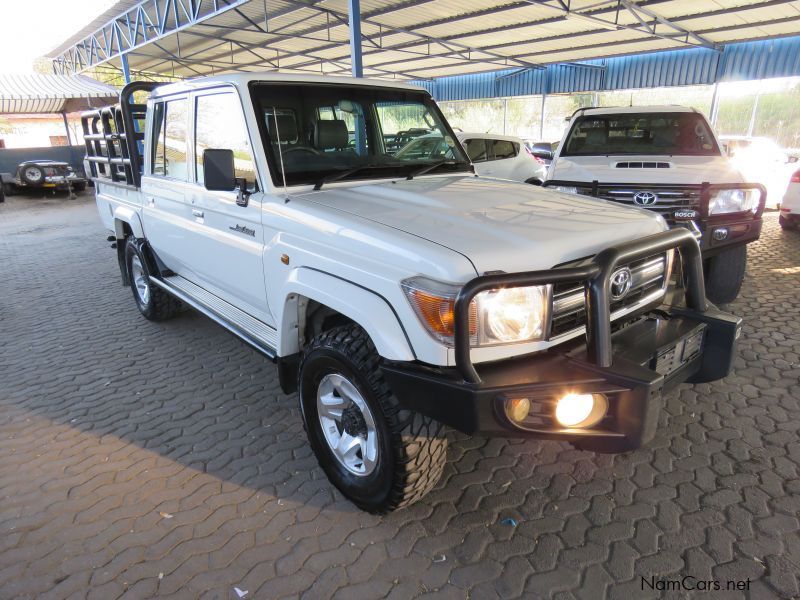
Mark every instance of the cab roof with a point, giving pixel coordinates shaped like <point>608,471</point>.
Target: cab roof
<point>617,110</point>
<point>242,80</point>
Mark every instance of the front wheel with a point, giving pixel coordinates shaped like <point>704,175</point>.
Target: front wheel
<point>725,273</point>
<point>786,224</point>
<point>378,454</point>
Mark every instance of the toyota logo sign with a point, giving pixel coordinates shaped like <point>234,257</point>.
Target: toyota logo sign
<point>621,282</point>
<point>645,198</point>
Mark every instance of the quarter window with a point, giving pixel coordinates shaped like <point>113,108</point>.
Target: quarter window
<point>219,125</point>
<point>169,131</point>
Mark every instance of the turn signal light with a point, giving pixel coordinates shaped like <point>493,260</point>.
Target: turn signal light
<point>579,411</point>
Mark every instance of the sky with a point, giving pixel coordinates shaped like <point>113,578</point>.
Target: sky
<point>31,28</point>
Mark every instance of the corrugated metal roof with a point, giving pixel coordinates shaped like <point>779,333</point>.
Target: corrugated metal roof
<point>33,93</point>
<point>417,39</point>
<point>697,66</point>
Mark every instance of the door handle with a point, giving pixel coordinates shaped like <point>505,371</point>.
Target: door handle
<point>197,213</point>
<point>151,201</point>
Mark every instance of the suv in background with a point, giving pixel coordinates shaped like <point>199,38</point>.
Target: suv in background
<point>43,175</point>
<point>668,160</point>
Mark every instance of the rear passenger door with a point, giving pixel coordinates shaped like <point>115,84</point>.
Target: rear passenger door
<point>227,239</point>
<point>165,180</point>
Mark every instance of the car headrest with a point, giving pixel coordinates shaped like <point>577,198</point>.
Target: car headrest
<point>286,130</point>
<point>330,134</point>
<point>596,137</point>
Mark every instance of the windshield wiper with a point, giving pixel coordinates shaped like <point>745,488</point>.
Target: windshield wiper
<point>428,168</point>
<point>338,175</point>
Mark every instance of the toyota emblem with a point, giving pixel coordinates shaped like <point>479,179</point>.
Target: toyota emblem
<point>645,198</point>
<point>621,282</point>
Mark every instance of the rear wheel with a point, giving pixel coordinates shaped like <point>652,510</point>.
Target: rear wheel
<point>786,224</point>
<point>725,273</point>
<point>379,455</point>
<point>153,302</point>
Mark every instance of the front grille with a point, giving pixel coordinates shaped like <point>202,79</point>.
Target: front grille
<point>569,304</point>
<point>668,200</point>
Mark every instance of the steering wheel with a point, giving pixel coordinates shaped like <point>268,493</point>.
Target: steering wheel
<point>313,151</point>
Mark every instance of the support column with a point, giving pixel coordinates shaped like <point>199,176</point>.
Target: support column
<point>714,106</point>
<point>126,70</point>
<point>355,38</point>
<point>753,116</point>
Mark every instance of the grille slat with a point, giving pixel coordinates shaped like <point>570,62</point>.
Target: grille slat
<point>669,199</point>
<point>569,307</point>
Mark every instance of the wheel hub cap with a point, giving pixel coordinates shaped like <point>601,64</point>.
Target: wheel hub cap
<point>347,424</point>
<point>140,281</point>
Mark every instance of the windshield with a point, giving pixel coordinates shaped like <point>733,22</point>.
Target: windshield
<point>679,133</point>
<point>318,133</point>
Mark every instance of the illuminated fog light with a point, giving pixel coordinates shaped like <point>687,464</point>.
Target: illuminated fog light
<point>581,410</point>
<point>518,409</point>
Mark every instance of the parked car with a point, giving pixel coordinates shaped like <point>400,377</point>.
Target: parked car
<point>43,175</point>
<point>504,157</point>
<point>668,160</point>
<point>790,207</point>
<point>399,295</point>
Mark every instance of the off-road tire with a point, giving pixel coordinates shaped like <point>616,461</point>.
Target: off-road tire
<point>411,447</point>
<point>160,305</point>
<point>725,273</point>
<point>786,224</point>
<point>79,187</point>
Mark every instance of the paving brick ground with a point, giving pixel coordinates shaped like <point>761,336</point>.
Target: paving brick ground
<point>141,459</point>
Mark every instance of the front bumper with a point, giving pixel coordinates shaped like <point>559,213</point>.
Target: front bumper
<point>666,347</point>
<point>715,233</point>
<point>631,366</point>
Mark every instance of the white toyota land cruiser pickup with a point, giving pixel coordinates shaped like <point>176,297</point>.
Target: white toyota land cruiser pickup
<point>666,159</point>
<point>397,296</point>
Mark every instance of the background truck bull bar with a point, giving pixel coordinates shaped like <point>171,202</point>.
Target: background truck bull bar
<point>596,277</point>
<point>705,190</point>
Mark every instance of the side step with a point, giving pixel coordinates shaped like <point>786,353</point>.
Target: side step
<point>250,330</point>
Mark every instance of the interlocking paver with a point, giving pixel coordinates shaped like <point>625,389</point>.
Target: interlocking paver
<point>108,420</point>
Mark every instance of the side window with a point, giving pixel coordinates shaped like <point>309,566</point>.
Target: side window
<point>476,149</point>
<point>169,134</point>
<point>157,158</point>
<point>504,149</point>
<point>219,124</point>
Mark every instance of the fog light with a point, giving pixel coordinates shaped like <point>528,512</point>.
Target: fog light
<point>581,410</point>
<point>517,409</point>
<point>720,234</point>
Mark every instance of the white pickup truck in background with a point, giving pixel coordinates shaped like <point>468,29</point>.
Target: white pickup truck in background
<point>668,160</point>
<point>397,295</point>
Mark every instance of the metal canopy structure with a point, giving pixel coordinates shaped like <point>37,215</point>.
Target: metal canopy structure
<point>408,39</point>
<point>30,93</point>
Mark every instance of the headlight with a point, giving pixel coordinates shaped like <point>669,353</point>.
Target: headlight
<point>511,315</point>
<point>503,316</point>
<point>567,189</point>
<point>733,201</point>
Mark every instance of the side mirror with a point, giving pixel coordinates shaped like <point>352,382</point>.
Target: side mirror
<point>218,170</point>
